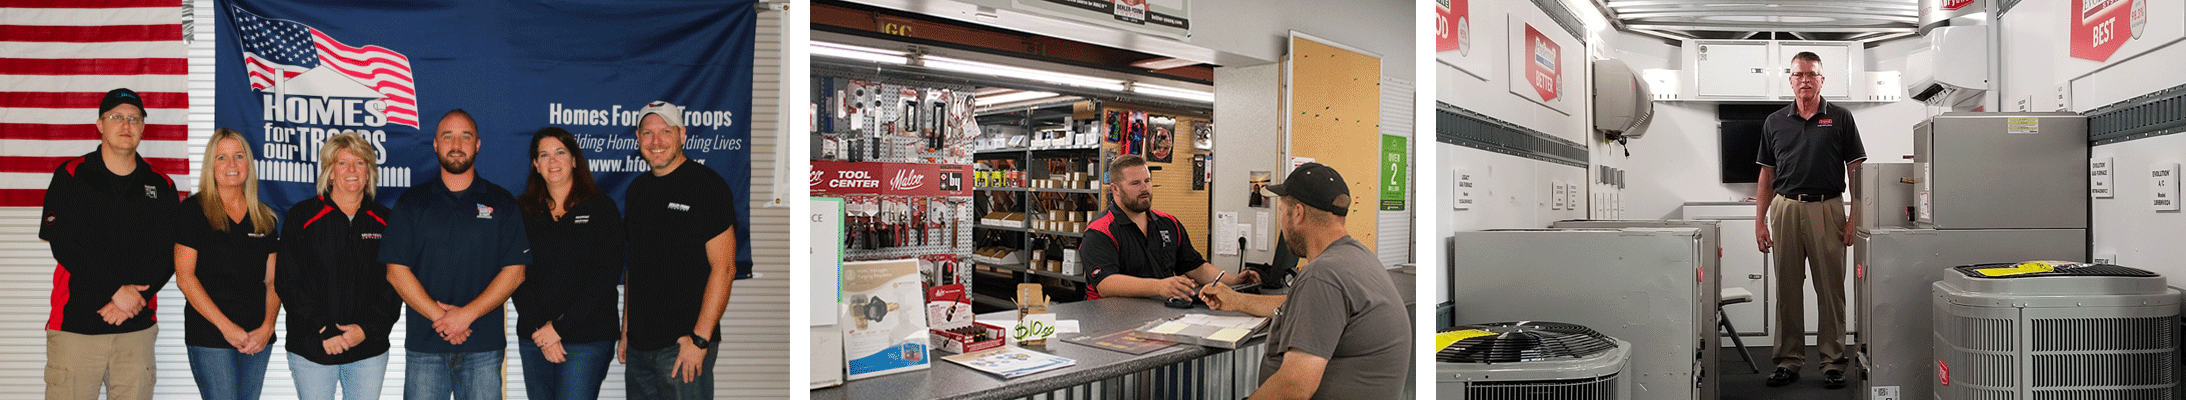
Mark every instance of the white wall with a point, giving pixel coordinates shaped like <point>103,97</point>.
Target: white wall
<point>1678,162</point>
<point>2035,44</point>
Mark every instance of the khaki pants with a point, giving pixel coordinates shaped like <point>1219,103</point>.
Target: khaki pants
<point>77,365</point>
<point>1809,236</point>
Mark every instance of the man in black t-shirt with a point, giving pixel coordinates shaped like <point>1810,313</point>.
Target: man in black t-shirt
<point>1134,251</point>
<point>682,220</point>
<point>1808,151</point>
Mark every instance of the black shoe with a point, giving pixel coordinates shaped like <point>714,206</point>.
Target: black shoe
<point>1833,379</point>
<point>1783,376</point>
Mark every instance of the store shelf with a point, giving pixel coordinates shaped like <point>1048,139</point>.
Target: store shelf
<point>1067,149</point>
<point>1000,189</point>
<point>1001,228</point>
<point>1021,268</point>
<point>1059,233</point>
<point>1016,151</point>
<point>992,301</point>
<point>1084,191</point>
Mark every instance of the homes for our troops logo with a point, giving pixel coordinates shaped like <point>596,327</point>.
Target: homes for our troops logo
<point>312,86</point>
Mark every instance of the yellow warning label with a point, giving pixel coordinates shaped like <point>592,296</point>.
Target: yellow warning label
<point>1445,339</point>
<point>2023,125</point>
<point>2021,268</point>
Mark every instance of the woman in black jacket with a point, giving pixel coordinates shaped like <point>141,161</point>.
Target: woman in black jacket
<point>340,307</point>
<point>566,308</point>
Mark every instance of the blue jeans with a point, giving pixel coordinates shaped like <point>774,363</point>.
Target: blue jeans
<point>577,377</point>
<point>466,376</point>
<point>358,380</point>
<point>647,376</point>
<point>228,374</point>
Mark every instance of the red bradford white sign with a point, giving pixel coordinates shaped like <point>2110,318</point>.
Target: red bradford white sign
<point>1453,26</point>
<point>2100,27</point>
<point>1543,64</point>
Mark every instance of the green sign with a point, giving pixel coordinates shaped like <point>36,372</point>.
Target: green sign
<point>1395,165</point>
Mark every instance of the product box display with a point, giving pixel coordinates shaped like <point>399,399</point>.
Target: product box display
<point>881,333</point>
<point>955,328</point>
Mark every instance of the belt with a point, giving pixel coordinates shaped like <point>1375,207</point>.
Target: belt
<point>1810,197</point>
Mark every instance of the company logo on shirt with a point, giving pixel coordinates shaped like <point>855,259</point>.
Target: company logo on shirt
<point>581,219</point>
<point>1826,122</point>
<point>255,235</point>
<point>485,212</point>
<point>1167,238</point>
<point>368,236</point>
<point>151,192</point>
<point>678,207</point>
<point>51,217</point>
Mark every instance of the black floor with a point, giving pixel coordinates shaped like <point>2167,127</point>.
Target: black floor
<point>1741,383</point>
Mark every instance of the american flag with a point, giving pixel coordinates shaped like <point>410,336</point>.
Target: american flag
<point>275,50</point>
<point>57,60</point>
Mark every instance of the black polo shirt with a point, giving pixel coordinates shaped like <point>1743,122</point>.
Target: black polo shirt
<point>1810,154</point>
<point>456,243</point>
<point>1113,245</point>
<point>231,266</point>
<point>329,275</point>
<point>576,263</point>
<point>670,219</point>
<point>107,231</point>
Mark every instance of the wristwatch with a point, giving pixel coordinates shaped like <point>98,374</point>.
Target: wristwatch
<point>699,341</point>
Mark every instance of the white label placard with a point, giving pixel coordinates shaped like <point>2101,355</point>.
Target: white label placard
<point>2100,178</point>
<point>1462,189</point>
<point>1555,195</point>
<point>2163,186</point>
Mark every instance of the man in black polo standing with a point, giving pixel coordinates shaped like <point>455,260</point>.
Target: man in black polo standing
<point>108,217</point>
<point>682,222</point>
<point>1134,251</point>
<point>1808,152</point>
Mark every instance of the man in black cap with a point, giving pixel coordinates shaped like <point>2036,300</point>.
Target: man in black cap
<point>108,217</point>
<point>1342,331</point>
<point>1134,251</point>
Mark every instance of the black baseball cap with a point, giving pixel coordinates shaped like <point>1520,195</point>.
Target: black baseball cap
<point>119,97</point>
<point>1315,185</point>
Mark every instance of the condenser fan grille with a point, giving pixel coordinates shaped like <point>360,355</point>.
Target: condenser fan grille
<point>1523,341</point>
<point>2011,271</point>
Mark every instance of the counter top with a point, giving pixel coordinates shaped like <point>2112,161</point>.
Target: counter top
<point>947,380</point>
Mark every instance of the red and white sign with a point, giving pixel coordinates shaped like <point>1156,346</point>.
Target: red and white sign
<point>902,179</point>
<point>1943,372</point>
<point>1544,64</point>
<point>2100,27</point>
<point>1453,26</point>
<point>1955,5</point>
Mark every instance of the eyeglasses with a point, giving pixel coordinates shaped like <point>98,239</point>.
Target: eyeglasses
<point>118,118</point>
<point>1806,75</point>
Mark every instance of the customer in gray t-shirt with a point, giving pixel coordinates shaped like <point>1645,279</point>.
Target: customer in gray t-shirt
<point>1342,332</point>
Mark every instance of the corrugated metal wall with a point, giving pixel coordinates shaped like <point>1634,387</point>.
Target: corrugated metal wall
<point>754,361</point>
<point>1395,227</point>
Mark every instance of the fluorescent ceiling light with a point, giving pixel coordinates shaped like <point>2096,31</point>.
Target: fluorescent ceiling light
<point>857,52</point>
<point>1170,92</point>
<point>978,67</point>
<point>1012,97</point>
<point>1163,63</point>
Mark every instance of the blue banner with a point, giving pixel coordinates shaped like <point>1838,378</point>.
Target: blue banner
<point>292,73</point>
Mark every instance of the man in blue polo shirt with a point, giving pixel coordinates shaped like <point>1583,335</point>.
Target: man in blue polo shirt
<point>455,250</point>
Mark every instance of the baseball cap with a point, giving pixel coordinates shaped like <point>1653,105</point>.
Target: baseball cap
<point>1315,185</point>
<point>119,97</point>
<point>669,113</point>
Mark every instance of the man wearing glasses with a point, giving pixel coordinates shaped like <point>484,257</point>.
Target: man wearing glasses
<point>1808,151</point>
<point>109,217</point>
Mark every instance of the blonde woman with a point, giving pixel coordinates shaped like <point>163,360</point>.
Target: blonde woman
<point>224,249</point>
<point>340,307</point>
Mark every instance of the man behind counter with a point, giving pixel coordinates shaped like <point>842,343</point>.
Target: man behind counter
<point>1134,251</point>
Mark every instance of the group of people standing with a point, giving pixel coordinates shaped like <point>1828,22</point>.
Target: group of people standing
<point>448,256</point>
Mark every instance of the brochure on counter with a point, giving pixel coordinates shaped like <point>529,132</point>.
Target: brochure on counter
<point>1011,361</point>
<point>1224,331</point>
